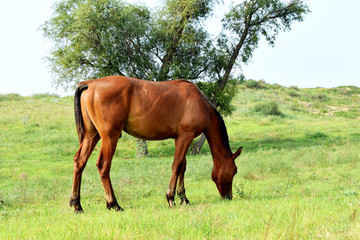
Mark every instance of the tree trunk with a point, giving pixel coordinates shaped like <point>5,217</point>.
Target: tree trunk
<point>141,148</point>
<point>196,147</point>
<point>222,81</point>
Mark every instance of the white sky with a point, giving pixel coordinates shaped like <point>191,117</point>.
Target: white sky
<point>324,50</point>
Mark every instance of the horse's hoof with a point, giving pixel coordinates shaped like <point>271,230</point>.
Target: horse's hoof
<point>115,206</point>
<point>118,209</point>
<point>171,200</point>
<point>184,201</point>
<point>79,211</point>
<point>77,206</point>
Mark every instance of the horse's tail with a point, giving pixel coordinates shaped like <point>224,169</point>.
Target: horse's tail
<point>77,109</point>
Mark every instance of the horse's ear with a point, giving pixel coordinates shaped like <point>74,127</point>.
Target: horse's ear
<point>237,153</point>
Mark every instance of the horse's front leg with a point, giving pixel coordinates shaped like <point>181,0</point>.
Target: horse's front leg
<point>181,186</point>
<point>181,147</point>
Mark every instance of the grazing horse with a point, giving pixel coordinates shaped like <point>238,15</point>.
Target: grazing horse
<point>153,111</point>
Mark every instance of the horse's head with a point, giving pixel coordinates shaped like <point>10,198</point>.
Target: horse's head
<point>223,175</point>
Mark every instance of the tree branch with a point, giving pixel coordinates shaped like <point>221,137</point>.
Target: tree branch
<point>165,67</point>
<point>278,13</point>
<point>236,52</point>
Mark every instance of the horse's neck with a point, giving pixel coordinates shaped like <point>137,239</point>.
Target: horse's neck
<point>219,148</point>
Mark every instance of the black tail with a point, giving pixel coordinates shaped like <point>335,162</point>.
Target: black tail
<point>77,109</point>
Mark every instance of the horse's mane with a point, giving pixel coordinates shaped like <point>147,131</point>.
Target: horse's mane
<point>223,130</point>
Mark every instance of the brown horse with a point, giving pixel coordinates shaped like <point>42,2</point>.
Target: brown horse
<point>152,111</point>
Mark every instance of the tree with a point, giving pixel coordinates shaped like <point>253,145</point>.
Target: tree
<point>244,25</point>
<point>98,38</point>
<point>242,28</point>
<point>183,38</point>
<point>95,38</point>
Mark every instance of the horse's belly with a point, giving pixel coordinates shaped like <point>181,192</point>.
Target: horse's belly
<point>150,130</point>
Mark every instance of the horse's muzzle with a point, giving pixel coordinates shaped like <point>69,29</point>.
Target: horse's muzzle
<point>227,196</point>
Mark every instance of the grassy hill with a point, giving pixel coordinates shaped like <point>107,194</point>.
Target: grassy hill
<point>298,176</point>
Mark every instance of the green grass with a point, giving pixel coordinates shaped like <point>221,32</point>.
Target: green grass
<point>298,176</point>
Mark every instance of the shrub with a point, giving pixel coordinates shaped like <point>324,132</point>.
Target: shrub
<point>10,97</point>
<point>252,84</point>
<point>296,107</point>
<point>316,135</point>
<point>274,86</point>
<point>347,90</point>
<point>223,99</point>
<point>294,88</point>
<point>321,97</point>
<point>44,95</point>
<point>293,93</point>
<point>269,108</point>
<point>347,114</point>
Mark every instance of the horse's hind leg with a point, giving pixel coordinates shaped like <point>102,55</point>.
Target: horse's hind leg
<point>107,151</point>
<point>181,146</point>
<point>80,160</point>
<point>181,186</point>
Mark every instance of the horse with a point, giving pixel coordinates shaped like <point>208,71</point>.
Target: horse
<point>148,110</point>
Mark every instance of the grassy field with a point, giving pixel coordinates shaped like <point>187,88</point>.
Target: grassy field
<point>298,176</point>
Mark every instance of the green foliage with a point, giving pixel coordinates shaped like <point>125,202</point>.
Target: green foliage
<point>268,108</point>
<point>179,39</point>
<point>316,135</point>
<point>243,27</point>
<point>45,95</point>
<point>261,84</point>
<point>348,114</point>
<point>252,84</point>
<point>224,99</point>
<point>11,96</point>
<point>92,39</point>
<point>189,10</point>
<point>98,38</point>
<point>295,88</point>
<point>347,90</point>
<point>248,21</point>
<point>294,93</point>
<point>321,97</point>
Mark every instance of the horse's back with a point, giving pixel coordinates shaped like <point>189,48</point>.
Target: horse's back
<point>166,109</point>
<point>149,110</point>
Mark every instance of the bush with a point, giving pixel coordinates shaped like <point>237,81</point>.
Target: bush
<point>269,108</point>
<point>293,93</point>
<point>10,97</point>
<point>296,88</point>
<point>223,100</point>
<point>347,114</point>
<point>44,95</point>
<point>261,84</point>
<point>347,90</point>
<point>274,86</point>
<point>252,84</point>
<point>317,135</point>
<point>296,107</point>
<point>320,97</point>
